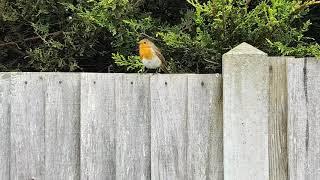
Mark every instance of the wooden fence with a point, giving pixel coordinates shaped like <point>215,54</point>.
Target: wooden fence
<point>151,126</point>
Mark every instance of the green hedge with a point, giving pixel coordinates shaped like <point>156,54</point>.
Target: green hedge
<point>102,35</point>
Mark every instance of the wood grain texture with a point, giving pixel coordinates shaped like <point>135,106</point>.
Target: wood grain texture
<point>169,126</point>
<point>98,129</point>
<point>133,127</point>
<point>205,143</point>
<point>5,125</point>
<point>297,119</point>
<point>62,126</point>
<point>278,156</point>
<point>102,126</point>
<point>27,158</point>
<point>245,115</point>
<point>312,81</point>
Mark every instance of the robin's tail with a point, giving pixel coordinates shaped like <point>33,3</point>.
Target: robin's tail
<point>165,69</point>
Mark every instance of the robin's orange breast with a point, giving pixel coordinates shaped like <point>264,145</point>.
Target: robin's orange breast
<point>145,52</point>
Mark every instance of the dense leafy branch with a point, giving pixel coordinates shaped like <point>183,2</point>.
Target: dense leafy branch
<point>305,5</point>
<point>15,43</point>
<point>95,35</point>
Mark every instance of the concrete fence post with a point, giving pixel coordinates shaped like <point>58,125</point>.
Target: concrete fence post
<point>245,115</point>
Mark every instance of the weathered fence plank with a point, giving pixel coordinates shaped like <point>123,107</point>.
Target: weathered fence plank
<point>62,126</point>
<point>278,156</point>
<point>133,127</point>
<point>4,125</point>
<point>168,126</point>
<point>27,158</point>
<point>98,107</point>
<point>297,119</point>
<point>312,81</point>
<point>155,126</point>
<point>245,113</point>
<point>204,123</point>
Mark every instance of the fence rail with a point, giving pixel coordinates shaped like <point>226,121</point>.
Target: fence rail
<point>160,126</point>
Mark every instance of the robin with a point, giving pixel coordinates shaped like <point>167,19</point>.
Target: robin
<point>151,56</point>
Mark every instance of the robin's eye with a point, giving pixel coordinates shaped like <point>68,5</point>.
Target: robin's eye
<point>144,42</point>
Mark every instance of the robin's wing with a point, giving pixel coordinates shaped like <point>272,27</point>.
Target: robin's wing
<point>158,53</point>
<point>164,63</point>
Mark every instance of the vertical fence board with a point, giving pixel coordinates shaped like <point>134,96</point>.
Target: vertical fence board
<point>27,126</point>
<point>62,126</point>
<point>297,119</point>
<point>278,156</point>
<point>205,144</point>
<point>133,127</point>
<point>245,113</point>
<point>5,125</point>
<point>168,126</point>
<point>98,146</point>
<point>313,119</point>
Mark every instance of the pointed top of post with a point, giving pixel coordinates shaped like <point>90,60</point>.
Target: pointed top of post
<point>245,48</point>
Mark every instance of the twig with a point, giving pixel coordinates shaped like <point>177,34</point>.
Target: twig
<point>15,43</point>
<point>306,5</point>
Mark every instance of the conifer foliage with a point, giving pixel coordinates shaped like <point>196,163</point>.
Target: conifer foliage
<point>102,35</point>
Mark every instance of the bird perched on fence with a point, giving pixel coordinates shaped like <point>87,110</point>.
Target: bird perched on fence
<point>151,56</point>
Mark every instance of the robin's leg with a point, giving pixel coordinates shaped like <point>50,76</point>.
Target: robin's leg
<point>155,71</point>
